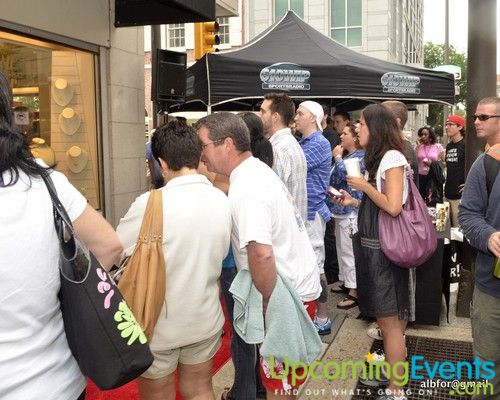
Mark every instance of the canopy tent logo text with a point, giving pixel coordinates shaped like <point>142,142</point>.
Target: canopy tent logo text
<point>285,76</point>
<point>400,83</point>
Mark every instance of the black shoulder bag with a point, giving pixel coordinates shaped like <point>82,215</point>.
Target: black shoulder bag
<point>103,335</point>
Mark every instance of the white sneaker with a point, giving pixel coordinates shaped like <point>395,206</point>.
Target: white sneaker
<point>378,355</point>
<point>375,333</point>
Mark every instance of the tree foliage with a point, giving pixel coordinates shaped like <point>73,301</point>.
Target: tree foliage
<point>434,56</point>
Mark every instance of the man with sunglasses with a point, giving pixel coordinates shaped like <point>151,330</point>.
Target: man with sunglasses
<point>480,221</point>
<point>455,164</point>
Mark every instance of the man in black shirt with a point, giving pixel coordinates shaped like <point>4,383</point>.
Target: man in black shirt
<point>328,132</point>
<point>455,164</point>
<point>340,120</point>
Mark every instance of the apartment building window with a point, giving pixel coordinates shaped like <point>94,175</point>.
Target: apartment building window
<point>282,6</point>
<point>176,35</point>
<point>223,29</point>
<point>346,22</point>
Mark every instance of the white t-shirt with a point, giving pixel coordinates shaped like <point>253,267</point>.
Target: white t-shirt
<point>196,235</point>
<point>35,360</point>
<point>393,159</point>
<point>263,211</point>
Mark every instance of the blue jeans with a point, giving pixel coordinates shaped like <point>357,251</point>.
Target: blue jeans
<point>247,384</point>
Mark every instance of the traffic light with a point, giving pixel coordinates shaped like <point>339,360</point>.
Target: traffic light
<point>205,37</point>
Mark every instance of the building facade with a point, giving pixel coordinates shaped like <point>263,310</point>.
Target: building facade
<point>391,30</point>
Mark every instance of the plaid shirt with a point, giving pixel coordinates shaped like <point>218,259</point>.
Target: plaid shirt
<point>319,162</point>
<point>290,165</point>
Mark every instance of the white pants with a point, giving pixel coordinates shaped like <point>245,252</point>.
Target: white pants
<point>344,229</point>
<point>316,231</point>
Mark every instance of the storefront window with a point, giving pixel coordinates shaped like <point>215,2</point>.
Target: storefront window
<point>55,106</point>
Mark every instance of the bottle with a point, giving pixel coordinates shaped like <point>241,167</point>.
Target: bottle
<point>496,268</point>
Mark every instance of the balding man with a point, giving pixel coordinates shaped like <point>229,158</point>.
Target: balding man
<point>268,236</point>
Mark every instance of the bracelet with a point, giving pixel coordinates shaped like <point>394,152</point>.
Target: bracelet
<point>357,203</point>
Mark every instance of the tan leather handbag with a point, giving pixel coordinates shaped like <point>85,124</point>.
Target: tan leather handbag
<point>142,283</point>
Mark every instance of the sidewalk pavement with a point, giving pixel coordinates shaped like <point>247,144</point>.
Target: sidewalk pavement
<point>349,341</point>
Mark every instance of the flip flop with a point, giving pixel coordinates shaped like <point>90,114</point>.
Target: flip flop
<point>348,298</point>
<point>340,289</point>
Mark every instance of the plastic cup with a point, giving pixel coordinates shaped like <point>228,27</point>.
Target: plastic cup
<point>352,167</point>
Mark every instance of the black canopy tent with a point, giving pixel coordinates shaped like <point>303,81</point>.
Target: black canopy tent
<point>292,57</point>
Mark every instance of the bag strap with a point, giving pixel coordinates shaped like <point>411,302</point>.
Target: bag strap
<point>56,203</point>
<point>412,188</point>
<point>491,167</point>
<point>152,222</point>
<point>62,222</point>
<point>157,215</point>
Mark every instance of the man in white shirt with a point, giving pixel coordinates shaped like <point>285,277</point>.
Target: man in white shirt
<point>277,112</point>
<point>268,234</point>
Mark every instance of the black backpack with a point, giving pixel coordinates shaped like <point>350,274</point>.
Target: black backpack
<point>491,167</point>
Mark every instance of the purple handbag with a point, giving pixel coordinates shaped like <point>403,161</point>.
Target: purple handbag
<point>409,239</point>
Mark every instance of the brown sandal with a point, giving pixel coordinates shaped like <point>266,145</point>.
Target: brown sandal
<point>339,289</point>
<point>349,306</point>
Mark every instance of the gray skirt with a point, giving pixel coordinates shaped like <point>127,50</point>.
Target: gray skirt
<point>383,288</point>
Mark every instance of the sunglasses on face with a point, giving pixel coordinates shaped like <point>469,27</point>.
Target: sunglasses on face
<point>484,117</point>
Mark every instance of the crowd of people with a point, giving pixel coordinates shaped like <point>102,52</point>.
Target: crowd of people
<point>261,208</point>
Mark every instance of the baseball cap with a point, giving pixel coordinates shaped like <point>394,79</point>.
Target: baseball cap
<point>456,119</point>
<point>315,109</point>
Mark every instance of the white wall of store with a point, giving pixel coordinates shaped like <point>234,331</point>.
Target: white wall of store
<point>86,20</point>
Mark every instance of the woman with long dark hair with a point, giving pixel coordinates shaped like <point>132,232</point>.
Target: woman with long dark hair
<point>383,291</point>
<point>260,146</point>
<point>34,354</point>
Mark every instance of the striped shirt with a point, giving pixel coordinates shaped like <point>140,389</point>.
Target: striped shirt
<point>290,165</point>
<point>319,162</point>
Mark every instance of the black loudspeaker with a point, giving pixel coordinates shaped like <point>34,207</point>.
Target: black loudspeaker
<point>168,81</point>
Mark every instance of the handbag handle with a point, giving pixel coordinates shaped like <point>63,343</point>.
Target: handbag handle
<point>62,222</point>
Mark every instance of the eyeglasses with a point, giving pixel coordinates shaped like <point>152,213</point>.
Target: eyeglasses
<point>215,142</point>
<point>484,117</point>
